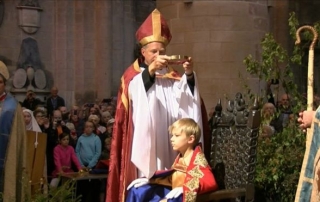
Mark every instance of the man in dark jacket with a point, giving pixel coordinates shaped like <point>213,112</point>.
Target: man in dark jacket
<point>54,101</point>
<point>31,102</point>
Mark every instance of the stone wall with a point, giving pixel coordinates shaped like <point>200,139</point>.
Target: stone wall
<point>218,35</point>
<point>85,46</point>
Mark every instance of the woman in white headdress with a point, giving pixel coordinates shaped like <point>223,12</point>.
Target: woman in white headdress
<point>30,121</point>
<point>32,125</point>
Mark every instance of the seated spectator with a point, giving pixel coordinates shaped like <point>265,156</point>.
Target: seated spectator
<point>103,107</point>
<point>173,184</point>
<point>88,147</point>
<point>285,110</point>
<point>30,121</point>
<point>65,114</point>
<point>31,102</point>
<point>64,157</point>
<point>105,117</point>
<point>78,124</point>
<point>96,120</point>
<point>110,127</point>
<point>100,130</point>
<point>32,125</point>
<point>94,111</point>
<point>73,132</point>
<point>54,101</point>
<point>111,109</point>
<point>54,130</point>
<point>41,118</point>
<point>270,123</point>
<point>105,155</point>
<point>88,151</point>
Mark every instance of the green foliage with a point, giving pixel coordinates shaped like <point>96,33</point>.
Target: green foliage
<point>279,158</point>
<point>63,193</point>
<point>278,164</point>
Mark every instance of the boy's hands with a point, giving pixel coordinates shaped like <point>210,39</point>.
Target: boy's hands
<point>138,183</point>
<point>174,193</point>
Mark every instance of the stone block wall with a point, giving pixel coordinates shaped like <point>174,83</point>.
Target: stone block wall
<point>85,46</point>
<point>218,35</point>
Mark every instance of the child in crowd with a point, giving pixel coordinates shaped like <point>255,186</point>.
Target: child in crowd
<point>88,147</point>
<point>105,155</point>
<point>88,150</point>
<point>190,174</point>
<point>96,120</point>
<point>110,127</point>
<point>64,156</point>
<point>103,165</point>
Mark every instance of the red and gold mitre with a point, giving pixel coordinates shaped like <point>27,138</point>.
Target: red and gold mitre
<point>4,70</point>
<point>154,29</point>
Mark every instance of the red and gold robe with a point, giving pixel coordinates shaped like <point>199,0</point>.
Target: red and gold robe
<point>195,178</point>
<point>121,170</point>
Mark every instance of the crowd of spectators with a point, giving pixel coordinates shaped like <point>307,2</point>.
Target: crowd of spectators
<point>78,139</point>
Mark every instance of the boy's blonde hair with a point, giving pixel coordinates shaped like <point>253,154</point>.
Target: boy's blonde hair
<point>189,127</point>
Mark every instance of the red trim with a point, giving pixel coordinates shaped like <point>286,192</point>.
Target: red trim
<point>121,170</point>
<point>3,96</point>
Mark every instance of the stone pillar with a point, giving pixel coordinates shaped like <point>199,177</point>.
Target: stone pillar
<point>218,35</point>
<point>279,21</point>
<point>123,40</point>
<point>82,58</point>
<point>103,40</point>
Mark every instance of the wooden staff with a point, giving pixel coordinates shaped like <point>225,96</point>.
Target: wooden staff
<point>303,178</point>
<point>310,63</point>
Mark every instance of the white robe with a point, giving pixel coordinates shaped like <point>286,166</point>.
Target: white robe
<point>154,111</point>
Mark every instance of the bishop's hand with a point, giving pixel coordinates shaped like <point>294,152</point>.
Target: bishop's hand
<point>188,67</point>
<point>159,62</point>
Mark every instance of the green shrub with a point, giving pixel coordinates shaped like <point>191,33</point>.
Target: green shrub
<point>279,158</point>
<point>63,193</point>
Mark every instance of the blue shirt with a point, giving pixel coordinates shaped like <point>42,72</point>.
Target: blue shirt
<point>88,150</point>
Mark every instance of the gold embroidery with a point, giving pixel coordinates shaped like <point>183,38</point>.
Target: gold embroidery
<point>193,184</point>
<point>179,167</point>
<point>190,196</point>
<point>196,172</point>
<point>201,160</point>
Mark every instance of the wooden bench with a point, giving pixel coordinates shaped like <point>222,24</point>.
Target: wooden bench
<point>235,134</point>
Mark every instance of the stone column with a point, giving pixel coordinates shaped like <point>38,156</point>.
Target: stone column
<point>103,51</point>
<point>82,58</point>
<point>218,35</point>
<point>122,40</point>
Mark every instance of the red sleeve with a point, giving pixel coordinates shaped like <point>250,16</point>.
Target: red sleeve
<point>74,158</point>
<point>56,156</point>
<point>207,182</point>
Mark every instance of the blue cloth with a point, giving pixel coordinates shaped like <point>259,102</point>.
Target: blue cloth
<point>8,109</point>
<point>150,193</point>
<point>88,150</point>
<point>304,194</point>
